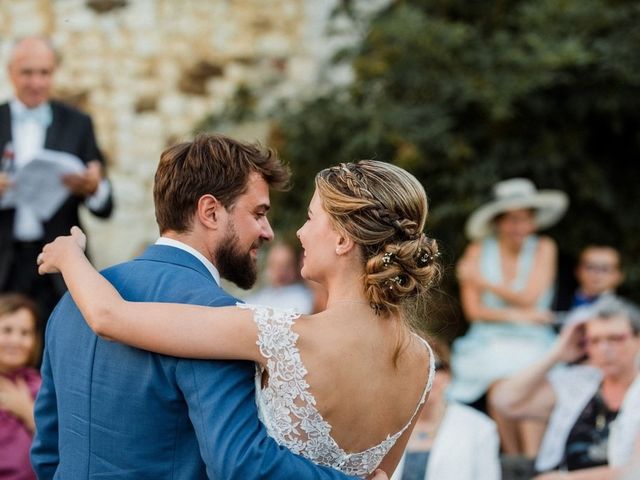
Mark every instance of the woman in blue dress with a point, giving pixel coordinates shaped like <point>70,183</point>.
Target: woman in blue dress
<point>506,280</point>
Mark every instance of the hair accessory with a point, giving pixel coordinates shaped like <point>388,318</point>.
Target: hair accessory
<point>397,280</point>
<point>388,258</point>
<point>425,258</point>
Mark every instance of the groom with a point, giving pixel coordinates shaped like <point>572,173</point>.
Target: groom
<point>106,410</point>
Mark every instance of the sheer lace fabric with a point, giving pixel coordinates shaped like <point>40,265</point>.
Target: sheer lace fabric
<point>288,409</point>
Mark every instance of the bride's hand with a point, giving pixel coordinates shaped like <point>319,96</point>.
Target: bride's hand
<point>378,475</point>
<point>54,253</point>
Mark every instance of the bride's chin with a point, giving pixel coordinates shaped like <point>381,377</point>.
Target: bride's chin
<point>304,273</point>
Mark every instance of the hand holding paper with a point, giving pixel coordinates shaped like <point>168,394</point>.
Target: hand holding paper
<point>85,183</point>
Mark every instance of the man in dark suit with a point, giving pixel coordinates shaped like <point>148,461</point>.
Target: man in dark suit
<point>107,410</point>
<point>29,123</point>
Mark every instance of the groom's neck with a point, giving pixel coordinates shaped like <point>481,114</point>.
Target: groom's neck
<point>194,241</point>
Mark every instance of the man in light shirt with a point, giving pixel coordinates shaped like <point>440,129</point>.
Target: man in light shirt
<point>29,123</point>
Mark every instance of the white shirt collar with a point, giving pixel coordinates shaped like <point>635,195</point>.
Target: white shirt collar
<point>18,107</point>
<point>170,242</point>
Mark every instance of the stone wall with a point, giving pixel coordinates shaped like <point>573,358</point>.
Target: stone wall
<point>148,71</point>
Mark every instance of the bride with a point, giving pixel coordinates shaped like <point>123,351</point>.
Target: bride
<point>343,387</point>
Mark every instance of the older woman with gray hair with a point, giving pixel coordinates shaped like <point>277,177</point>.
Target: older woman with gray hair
<point>592,407</point>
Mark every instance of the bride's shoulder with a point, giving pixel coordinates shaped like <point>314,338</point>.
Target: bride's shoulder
<point>419,352</point>
<point>270,310</point>
<point>317,333</point>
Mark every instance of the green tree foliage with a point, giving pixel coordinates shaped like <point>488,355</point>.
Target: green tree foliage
<point>465,93</point>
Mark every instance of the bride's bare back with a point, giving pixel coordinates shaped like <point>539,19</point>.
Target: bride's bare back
<point>359,390</point>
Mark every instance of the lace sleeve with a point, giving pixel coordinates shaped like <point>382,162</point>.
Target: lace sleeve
<point>276,338</point>
<point>284,402</point>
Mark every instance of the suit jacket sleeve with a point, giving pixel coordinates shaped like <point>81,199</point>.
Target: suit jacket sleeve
<point>233,442</point>
<point>44,450</point>
<point>89,151</point>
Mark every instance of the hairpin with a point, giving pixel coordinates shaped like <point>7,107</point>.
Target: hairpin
<point>388,258</point>
<point>399,280</point>
<point>425,258</point>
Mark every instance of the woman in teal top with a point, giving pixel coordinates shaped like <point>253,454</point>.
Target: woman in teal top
<point>506,280</point>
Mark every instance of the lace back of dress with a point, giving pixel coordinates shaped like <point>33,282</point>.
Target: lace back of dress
<point>288,409</point>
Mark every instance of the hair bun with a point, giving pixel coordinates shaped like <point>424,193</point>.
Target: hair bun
<point>401,271</point>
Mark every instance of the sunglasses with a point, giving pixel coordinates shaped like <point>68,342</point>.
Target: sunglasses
<point>442,366</point>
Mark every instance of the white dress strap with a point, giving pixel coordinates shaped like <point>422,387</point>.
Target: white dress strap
<point>428,385</point>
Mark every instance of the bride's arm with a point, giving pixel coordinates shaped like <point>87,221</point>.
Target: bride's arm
<point>180,330</point>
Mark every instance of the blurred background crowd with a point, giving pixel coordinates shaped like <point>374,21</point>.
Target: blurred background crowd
<point>520,118</point>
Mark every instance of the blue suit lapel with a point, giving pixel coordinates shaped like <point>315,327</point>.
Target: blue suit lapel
<point>175,256</point>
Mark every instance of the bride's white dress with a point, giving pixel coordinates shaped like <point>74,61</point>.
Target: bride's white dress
<point>288,409</point>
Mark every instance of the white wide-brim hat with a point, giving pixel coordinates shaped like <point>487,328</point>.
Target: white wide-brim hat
<point>514,194</point>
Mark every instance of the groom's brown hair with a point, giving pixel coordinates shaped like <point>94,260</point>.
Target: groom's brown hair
<point>211,164</point>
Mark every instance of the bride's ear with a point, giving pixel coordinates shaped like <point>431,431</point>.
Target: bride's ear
<point>344,244</point>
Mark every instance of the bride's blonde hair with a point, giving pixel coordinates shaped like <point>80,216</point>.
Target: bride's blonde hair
<point>383,208</point>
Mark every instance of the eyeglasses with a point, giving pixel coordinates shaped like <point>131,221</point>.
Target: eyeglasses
<point>599,267</point>
<point>441,366</point>
<point>613,339</point>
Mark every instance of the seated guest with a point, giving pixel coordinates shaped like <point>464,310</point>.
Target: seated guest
<point>592,409</point>
<point>450,441</point>
<point>598,272</point>
<point>19,382</point>
<point>506,277</point>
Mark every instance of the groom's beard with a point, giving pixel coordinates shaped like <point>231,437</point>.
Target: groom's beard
<point>236,266</point>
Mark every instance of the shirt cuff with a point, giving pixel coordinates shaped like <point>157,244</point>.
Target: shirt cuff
<point>99,199</point>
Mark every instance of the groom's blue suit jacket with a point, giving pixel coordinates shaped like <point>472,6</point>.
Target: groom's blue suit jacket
<point>108,411</point>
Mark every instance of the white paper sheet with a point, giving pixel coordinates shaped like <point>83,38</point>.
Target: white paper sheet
<point>39,185</point>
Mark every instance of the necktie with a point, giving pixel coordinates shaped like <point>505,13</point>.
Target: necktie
<point>40,115</point>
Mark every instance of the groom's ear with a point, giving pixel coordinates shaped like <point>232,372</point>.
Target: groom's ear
<point>208,211</point>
